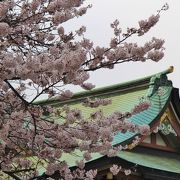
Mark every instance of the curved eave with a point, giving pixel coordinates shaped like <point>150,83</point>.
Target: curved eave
<point>150,117</point>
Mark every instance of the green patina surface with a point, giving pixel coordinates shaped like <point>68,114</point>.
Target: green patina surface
<point>70,158</point>
<point>152,161</point>
<point>124,97</point>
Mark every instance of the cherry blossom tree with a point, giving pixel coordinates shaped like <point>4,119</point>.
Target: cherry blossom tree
<point>36,52</point>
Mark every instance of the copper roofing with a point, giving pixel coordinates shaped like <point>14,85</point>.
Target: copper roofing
<point>124,96</point>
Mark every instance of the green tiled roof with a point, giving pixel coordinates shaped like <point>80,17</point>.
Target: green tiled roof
<point>124,96</point>
<point>151,161</point>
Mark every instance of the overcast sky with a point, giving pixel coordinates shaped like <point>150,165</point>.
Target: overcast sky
<point>129,12</point>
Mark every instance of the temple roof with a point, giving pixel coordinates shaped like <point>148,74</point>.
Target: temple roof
<point>157,88</point>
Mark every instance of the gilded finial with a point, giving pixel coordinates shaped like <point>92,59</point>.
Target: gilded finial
<point>171,69</point>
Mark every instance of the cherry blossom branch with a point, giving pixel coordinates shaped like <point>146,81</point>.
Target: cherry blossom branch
<point>19,171</point>
<point>108,49</point>
<point>106,65</point>
<point>16,93</point>
<point>45,89</point>
<point>12,175</point>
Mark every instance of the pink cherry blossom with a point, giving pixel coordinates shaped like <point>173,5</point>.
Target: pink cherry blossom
<point>115,169</point>
<point>144,130</point>
<point>4,29</point>
<point>66,94</point>
<point>87,86</point>
<point>91,174</point>
<point>87,156</point>
<point>127,172</point>
<point>80,164</point>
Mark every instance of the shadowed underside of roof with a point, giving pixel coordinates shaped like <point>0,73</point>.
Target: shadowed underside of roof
<point>151,161</point>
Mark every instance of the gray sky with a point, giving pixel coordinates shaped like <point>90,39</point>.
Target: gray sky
<point>129,12</point>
